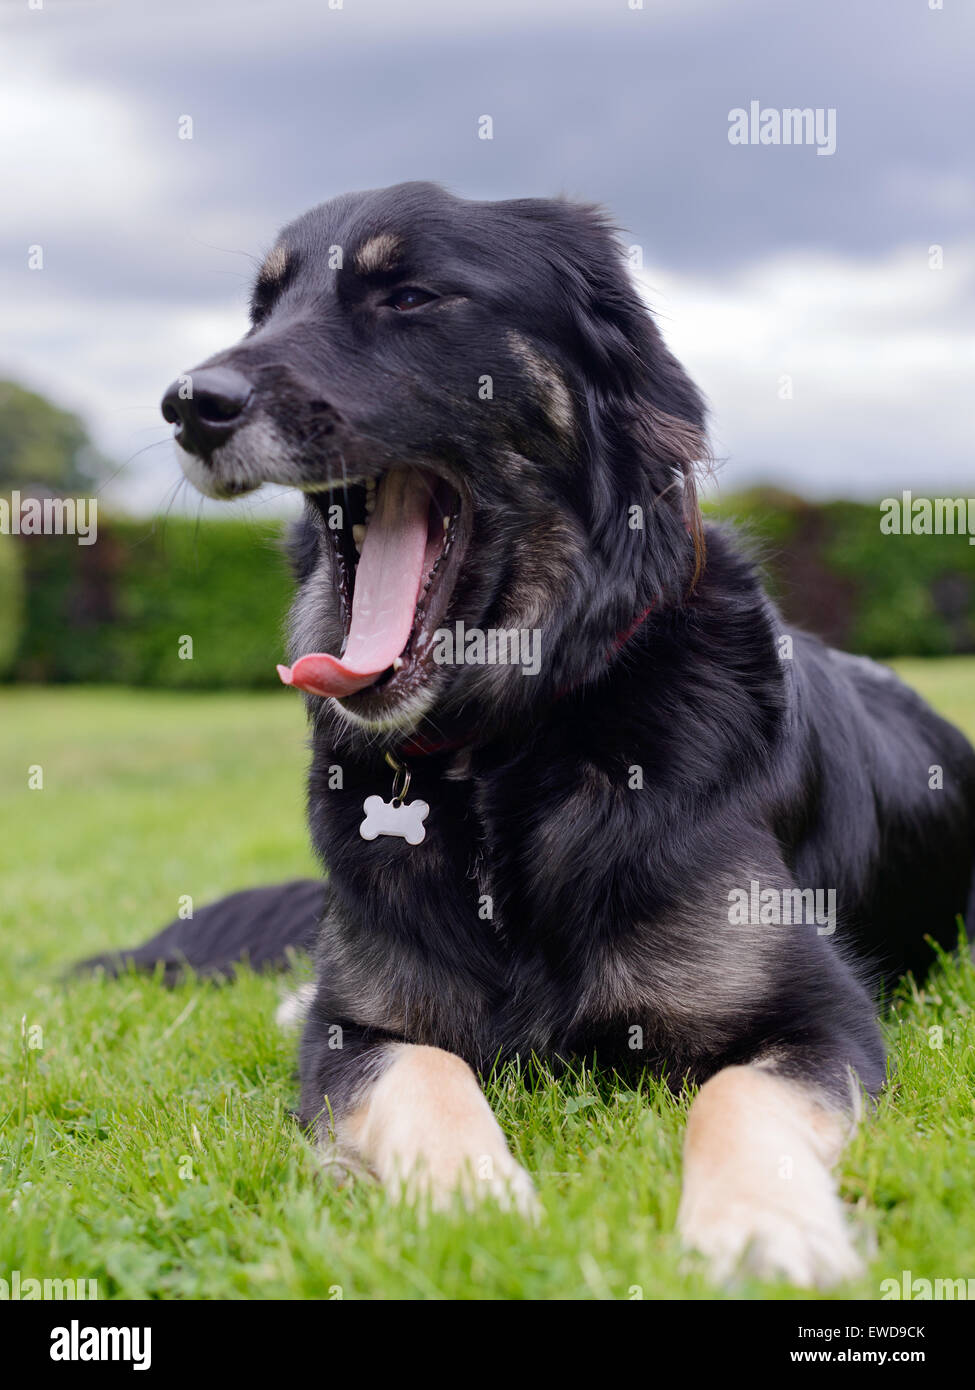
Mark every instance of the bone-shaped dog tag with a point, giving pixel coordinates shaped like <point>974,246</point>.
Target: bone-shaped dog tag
<point>395,817</point>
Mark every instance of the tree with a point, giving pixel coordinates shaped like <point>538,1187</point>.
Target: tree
<point>43,445</point>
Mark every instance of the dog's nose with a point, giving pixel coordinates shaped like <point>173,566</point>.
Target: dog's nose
<point>206,406</point>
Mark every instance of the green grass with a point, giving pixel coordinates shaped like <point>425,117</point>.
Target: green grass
<point>146,1139</point>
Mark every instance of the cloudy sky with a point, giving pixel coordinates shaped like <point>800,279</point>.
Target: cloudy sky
<point>763,262</point>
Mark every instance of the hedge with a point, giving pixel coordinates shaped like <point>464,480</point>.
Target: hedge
<point>836,574</point>
<point>119,610</point>
<point>11,602</point>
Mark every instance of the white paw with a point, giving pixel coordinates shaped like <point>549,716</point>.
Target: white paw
<point>809,1247</point>
<point>488,1178</point>
<point>511,1187</point>
<point>341,1166</point>
<point>292,1010</point>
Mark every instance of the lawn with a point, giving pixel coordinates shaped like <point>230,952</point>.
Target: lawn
<point>146,1137</point>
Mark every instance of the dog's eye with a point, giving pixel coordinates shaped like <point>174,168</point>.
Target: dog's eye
<point>409,298</point>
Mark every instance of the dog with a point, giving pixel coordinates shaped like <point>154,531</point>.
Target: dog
<point>595,835</point>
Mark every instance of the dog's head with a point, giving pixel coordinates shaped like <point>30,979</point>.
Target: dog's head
<point>488,430</point>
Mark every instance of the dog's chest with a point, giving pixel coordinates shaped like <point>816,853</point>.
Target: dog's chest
<point>570,953</point>
<point>501,931</point>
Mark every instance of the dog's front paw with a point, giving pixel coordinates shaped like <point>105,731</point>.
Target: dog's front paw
<point>758,1189</point>
<point>810,1247</point>
<point>477,1178</point>
<point>508,1184</point>
<point>442,1182</point>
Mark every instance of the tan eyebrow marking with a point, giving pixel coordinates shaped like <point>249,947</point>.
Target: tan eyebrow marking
<point>275,264</point>
<point>377,254</point>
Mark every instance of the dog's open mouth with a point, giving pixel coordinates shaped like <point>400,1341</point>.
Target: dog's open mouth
<point>396,564</point>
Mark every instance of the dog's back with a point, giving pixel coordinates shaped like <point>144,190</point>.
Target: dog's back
<point>889,815</point>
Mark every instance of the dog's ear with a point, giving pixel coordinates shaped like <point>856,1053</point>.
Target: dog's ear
<point>664,409</point>
<point>682,446</point>
<point>619,340</point>
<point>641,401</point>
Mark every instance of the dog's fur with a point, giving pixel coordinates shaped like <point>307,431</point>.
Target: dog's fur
<point>560,905</point>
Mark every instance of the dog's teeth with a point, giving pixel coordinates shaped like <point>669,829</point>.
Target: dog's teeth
<point>358,535</point>
<point>446,522</point>
<point>397,662</point>
<point>370,495</point>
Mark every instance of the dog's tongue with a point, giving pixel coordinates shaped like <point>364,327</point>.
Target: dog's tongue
<point>387,582</point>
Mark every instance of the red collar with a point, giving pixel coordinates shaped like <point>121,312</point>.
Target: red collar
<point>419,747</point>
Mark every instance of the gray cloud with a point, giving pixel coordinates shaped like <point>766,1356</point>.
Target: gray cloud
<point>294,102</point>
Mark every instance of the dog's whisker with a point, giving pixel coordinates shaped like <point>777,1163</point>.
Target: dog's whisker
<point>106,482</point>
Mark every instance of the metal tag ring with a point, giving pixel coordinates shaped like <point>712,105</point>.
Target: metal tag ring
<point>401,781</point>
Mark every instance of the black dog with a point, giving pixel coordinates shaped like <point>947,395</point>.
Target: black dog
<point>641,789</point>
